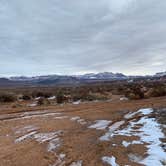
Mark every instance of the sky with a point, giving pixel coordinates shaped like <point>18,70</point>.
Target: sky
<point>41,37</point>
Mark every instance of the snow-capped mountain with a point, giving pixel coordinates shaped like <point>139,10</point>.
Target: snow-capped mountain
<point>100,76</point>
<point>161,74</point>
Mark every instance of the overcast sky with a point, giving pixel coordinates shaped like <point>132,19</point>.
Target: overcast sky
<point>39,37</point>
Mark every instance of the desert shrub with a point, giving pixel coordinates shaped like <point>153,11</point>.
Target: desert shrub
<point>86,96</point>
<point>7,97</point>
<point>26,97</point>
<point>157,91</point>
<point>134,93</point>
<point>41,94</point>
<point>60,97</point>
<point>43,101</point>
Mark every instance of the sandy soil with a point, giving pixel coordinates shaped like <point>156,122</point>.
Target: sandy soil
<point>69,135</point>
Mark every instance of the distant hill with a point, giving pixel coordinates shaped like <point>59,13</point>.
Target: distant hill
<point>70,80</point>
<point>160,74</point>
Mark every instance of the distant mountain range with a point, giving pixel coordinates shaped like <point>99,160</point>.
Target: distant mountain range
<point>67,79</point>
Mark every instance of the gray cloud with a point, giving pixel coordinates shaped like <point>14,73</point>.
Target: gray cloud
<point>55,36</point>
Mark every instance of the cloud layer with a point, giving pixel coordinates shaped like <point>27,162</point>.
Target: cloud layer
<point>76,36</point>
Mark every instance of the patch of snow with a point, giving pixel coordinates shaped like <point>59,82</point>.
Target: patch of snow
<point>110,160</point>
<point>51,138</point>
<point>77,102</point>
<point>75,118</point>
<point>32,105</point>
<point>24,137</point>
<point>37,98</point>
<point>123,99</point>
<point>61,117</point>
<point>78,120</point>
<point>145,111</point>
<point>111,131</point>
<point>40,115</point>
<point>130,115</point>
<point>53,144</point>
<point>126,144</point>
<point>100,124</point>
<point>62,156</point>
<point>26,129</point>
<point>82,121</point>
<point>77,163</point>
<point>135,158</point>
<point>43,137</point>
<point>52,98</point>
<point>149,132</point>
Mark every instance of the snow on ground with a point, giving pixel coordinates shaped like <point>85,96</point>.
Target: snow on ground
<point>100,124</point>
<point>77,102</point>
<point>149,132</point>
<point>53,144</point>
<point>43,137</point>
<point>78,120</point>
<point>77,163</point>
<point>130,115</point>
<point>110,160</point>
<point>126,144</point>
<point>135,158</point>
<point>26,129</point>
<point>32,105</point>
<point>111,130</point>
<point>52,98</point>
<point>26,136</point>
<point>123,99</point>
<point>61,117</point>
<point>52,138</point>
<point>145,111</point>
<point>40,115</point>
<point>75,118</point>
<point>28,115</point>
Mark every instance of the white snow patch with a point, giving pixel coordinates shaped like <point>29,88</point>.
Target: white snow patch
<point>61,117</point>
<point>78,120</point>
<point>62,156</point>
<point>126,144</point>
<point>145,111</point>
<point>130,115</point>
<point>82,121</point>
<point>24,137</point>
<point>32,105</point>
<point>40,115</point>
<point>52,138</point>
<point>37,98</point>
<point>100,124</point>
<point>52,98</point>
<point>77,163</point>
<point>77,102</point>
<point>111,131</point>
<point>53,144</point>
<point>26,129</point>
<point>149,132</point>
<point>75,118</point>
<point>123,99</point>
<point>110,160</point>
<point>135,158</point>
<point>43,137</point>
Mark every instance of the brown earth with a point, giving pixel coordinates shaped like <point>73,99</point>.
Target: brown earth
<point>76,140</point>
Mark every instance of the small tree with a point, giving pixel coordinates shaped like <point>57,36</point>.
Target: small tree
<point>60,98</point>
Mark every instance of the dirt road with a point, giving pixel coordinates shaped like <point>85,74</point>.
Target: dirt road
<point>88,134</point>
